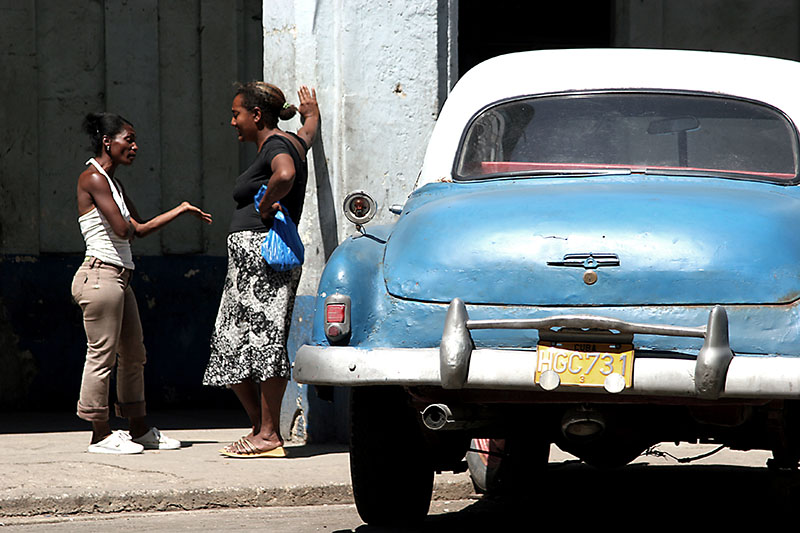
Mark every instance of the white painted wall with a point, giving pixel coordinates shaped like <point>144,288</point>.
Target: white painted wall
<point>381,70</point>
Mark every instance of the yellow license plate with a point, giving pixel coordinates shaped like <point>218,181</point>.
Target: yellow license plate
<point>584,364</point>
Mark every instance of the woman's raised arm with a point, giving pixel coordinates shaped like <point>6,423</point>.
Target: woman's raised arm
<point>309,113</point>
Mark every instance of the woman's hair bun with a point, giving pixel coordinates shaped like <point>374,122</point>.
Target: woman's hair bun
<point>287,112</point>
<point>268,98</point>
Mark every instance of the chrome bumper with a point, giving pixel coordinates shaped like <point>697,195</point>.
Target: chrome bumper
<point>456,364</point>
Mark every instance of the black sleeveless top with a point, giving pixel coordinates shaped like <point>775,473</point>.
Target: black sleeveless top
<point>258,173</point>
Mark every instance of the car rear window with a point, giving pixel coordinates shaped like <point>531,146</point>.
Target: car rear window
<point>630,131</point>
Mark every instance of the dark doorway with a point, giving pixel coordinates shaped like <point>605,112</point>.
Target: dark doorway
<point>488,29</point>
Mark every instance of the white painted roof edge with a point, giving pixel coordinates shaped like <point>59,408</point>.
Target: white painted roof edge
<point>770,80</point>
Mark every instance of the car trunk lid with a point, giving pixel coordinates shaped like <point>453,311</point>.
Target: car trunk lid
<point>599,242</point>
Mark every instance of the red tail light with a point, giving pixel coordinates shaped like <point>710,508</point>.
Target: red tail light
<point>337,318</point>
<point>334,313</point>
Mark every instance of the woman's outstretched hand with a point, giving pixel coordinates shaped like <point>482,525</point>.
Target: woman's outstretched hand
<point>143,229</point>
<point>196,211</point>
<point>308,103</point>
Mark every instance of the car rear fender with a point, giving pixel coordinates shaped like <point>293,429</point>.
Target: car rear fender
<point>355,269</point>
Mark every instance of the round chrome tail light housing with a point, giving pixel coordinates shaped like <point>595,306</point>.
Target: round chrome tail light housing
<point>359,207</point>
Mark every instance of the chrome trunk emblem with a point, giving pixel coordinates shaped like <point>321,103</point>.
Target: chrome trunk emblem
<point>590,262</point>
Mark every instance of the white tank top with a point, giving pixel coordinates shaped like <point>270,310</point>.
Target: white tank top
<point>101,241</point>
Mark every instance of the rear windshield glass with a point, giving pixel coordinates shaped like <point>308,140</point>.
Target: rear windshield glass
<point>653,133</point>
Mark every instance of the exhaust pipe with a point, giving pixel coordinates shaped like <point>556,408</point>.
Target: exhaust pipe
<point>582,423</point>
<point>436,416</point>
<point>439,416</point>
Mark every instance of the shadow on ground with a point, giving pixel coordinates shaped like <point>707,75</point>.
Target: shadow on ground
<point>641,496</point>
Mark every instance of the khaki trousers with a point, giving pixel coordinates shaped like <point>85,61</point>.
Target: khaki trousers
<point>111,321</point>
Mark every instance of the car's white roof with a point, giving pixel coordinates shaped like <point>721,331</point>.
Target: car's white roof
<point>770,80</point>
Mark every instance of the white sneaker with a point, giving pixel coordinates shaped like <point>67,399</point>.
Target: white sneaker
<point>155,440</point>
<point>118,443</point>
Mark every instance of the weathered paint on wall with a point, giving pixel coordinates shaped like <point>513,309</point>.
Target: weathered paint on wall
<point>167,66</point>
<point>19,184</point>
<point>181,132</point>
<point>377,68</point>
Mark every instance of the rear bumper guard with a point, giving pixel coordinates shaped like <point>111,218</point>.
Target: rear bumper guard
<point>457,364</point>
<point>710,370</point>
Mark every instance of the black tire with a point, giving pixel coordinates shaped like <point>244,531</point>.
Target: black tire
<point>390,465</point>
<point>509,466</point>
<point>484,464</point>
<point>785,437</point>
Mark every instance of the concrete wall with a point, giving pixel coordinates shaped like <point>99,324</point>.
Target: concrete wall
<point>742,26</point>
<point>169,67</point>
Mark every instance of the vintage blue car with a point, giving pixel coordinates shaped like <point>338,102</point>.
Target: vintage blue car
<point>602,252</point>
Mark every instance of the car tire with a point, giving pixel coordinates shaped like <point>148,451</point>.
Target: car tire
<point>390,466</point>
<point>506,466</point>
<point>785,436</point>
<point>483,461</point>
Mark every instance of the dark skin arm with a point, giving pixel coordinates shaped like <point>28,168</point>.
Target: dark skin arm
<point>283,171</point>
<point>144,228</point>
<point>309,114</point>
<point>94,191</point>
<point>279,185</point>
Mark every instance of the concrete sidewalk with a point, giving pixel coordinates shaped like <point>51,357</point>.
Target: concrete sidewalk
<point>45,469</point>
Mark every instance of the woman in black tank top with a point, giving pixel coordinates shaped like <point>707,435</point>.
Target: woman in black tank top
<point>248,345</point>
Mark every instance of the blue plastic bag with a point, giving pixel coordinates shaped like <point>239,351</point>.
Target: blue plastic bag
<point>282,248</point>
<point>259,195</point>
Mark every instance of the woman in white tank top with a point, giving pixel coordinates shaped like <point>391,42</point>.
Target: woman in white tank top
<point>101,286</point>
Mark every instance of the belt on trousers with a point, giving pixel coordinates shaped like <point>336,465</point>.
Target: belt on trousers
<point>95,262</point>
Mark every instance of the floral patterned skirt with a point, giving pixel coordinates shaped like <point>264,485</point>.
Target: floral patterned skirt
<point>252,326</point>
